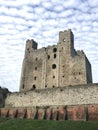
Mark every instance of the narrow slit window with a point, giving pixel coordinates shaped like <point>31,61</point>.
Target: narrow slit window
<point>54,55</point>
<point>36,58</point>
<point>23,86</point>
<point>35,78</point>
<point>48,56</point>
<point>35,68</point>
<point>79,73</point>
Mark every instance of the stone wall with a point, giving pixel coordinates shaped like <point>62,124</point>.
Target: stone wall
<point>70,95</point>
<point>76,112</point>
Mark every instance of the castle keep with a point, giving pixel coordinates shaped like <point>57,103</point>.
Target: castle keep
<point>55,66</point>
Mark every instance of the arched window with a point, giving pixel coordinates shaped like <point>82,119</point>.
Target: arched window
<point>34,86</point>
<point>54,49</point>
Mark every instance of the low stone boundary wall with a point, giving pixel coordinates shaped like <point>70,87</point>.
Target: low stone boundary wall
<point>65,96</point>
<point>78,113</point>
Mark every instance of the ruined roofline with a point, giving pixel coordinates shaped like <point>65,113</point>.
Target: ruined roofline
<point>33,42</point>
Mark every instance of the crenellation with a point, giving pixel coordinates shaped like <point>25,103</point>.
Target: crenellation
<point>80,52</point>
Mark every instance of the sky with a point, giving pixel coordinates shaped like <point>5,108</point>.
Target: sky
<point>42,20</point>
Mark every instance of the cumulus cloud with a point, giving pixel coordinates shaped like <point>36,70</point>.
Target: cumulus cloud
<point>42,20</point>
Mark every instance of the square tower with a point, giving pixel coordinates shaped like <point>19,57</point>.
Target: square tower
<point>55,66</point>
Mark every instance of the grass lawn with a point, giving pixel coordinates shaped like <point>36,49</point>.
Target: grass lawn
<point>25,124</point>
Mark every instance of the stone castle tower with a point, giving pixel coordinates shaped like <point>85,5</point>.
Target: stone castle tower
<point>55,66</point>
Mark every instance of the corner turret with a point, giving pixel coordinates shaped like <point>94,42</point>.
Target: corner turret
<point>31,44</point>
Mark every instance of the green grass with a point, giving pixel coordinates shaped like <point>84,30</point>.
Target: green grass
<point>24,124</point>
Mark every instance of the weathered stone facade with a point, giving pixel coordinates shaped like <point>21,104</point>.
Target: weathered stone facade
<point>55,66</point>
<point>75,95</point>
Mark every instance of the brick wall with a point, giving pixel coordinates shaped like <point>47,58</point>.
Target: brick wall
<point>74,112</point>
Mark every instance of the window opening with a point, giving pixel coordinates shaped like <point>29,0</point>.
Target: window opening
<point>53,86</point>
<point>23,86</point>
<point>53,76</point>
<point>64,40</point>
<point>35,78</point>
<point>54,55</point>
<point>54,49</point>
<point>34,86</point>
<point>48,56</point>
<point>35,68</point>
<point>36,59</point>
<point>53,66</point>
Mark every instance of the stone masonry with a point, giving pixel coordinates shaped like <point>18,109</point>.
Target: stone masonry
<point>55,66</point>
<point>68,95</point>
